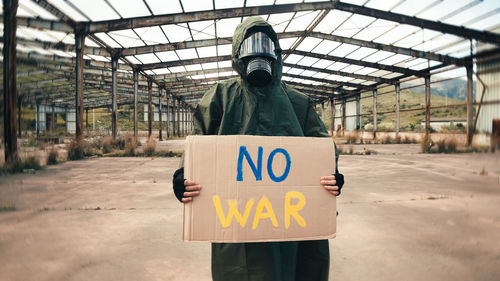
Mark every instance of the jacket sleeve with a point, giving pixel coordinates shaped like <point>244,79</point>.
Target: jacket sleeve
<point>208,113</point>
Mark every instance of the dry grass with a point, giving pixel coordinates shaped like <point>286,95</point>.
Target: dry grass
<point>130,145</point>
<point>150,147</point>
<point>352,138</point>
<point>52,156</point>
<point>426,143</point>
<point>79,149</point>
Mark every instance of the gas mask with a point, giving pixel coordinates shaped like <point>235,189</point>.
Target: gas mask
<point>258,52</point>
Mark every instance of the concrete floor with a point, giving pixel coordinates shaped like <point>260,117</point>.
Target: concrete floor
<point>403,216</point>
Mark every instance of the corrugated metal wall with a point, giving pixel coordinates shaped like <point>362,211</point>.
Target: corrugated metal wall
<point>489,73</point>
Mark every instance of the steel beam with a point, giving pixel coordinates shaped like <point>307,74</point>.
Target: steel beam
<point>398,95</point>
<point>374,114</point>
<point>379,66</point>
<point>460,31</point>
<point>114,88</point>
<point>168,116</point>
<point>135,103</point>
<point>160,113</point>
<point>152,66</point>
<point>80,47</point>
<point>110,25</point>
<point>427,80</point>
<point>341,73</point>
<point>390,48</point>
<point>150,107</point>
<point>470,106</point>
<point>358,112</point>
<point>9,79</point>
<point>332,115</point>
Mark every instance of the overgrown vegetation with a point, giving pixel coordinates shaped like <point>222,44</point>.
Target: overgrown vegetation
<point>19,165</point>
<point>130,145</point>
<point>150,147</point>
<point>52,156</point>
<point>79,149</point>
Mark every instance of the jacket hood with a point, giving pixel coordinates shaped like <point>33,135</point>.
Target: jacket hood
<point>254,24</point>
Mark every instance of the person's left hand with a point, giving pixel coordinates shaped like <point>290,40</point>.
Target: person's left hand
<point>330,184</point>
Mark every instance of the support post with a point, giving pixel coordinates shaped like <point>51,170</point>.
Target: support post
<point>9,79</point>
<point>86,118</point>
<point>332,115</point>
<point>470,107</point>
<point>37,119</point>
<point>427,104</point>
<point>323,112</point>
<point>168,117</point>
<point>160,113</point>
<point>398,89</point>
<point>343,116</point>
<point>79,46</point>
<point>53,123</point>
<point>135,101</point>
<point>19,115</point>
<point>114,87</point>
<point>374,114</point>
<point>150,107</point>
<point>179,118</point>
<point>358,112</point>
<point>173,117</point>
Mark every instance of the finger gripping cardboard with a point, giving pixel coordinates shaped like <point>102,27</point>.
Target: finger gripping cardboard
<point>259,188</point>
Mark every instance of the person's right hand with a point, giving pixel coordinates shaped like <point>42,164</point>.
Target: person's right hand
<point>192,190</point>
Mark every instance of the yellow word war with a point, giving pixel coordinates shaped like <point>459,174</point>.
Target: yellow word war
<point>264,210</point>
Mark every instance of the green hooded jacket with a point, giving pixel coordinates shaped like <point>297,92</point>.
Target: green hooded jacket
<point>233,107</point>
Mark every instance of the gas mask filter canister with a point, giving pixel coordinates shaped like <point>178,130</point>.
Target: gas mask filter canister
<point>258,51</point>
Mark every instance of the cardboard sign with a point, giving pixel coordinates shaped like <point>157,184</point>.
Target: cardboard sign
<point>257,188</point>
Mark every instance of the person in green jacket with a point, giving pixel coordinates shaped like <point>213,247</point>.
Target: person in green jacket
<point>259,103</point>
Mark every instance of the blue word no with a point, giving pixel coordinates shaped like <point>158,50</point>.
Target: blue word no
<point>257,169</point>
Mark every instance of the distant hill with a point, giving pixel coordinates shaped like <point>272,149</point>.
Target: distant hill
<point>456,88</point>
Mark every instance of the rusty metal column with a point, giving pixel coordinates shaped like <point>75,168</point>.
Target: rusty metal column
<point>173,117</point>
<point>9,79</point>
<point>168,117</point>
<point>332,115</point>
<point>178,118</point>
<point>150,107</point>
<point>358,112</point>
<point>427,104</point>
<point>343,115</point>
<point>37,118</point>
<point>114,69</point>
<point>398,92</point>
<point>19,115</point>
<point>159,114</point>
<point>135,102</point>
<point>79,45</point>
<point>54,121</point>
<point>184,119</point>
<point>374,114</point>
<point>86,118</point>
<point>470,107</point>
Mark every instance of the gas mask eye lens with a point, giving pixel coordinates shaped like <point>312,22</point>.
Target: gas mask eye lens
<point>257,44</point>
<point>257,51</point>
